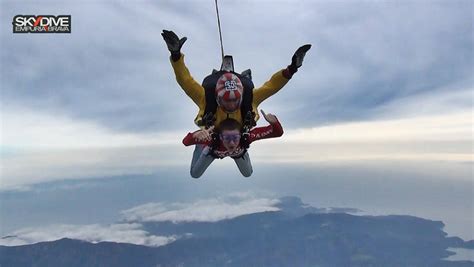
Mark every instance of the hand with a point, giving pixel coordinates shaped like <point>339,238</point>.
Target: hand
<point>297,59</point>
<point>173,42</point>
<point>269,117</point>
<point>204,135</point>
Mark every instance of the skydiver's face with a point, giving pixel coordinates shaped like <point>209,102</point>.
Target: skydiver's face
<point>230,139</point>
<point>231,105</point>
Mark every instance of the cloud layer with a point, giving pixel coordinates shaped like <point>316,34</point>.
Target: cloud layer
<point>205,210</point>
<point>49,154</point>
<point>366,55</point>
<point>210,210</point>
<point>121,233</point>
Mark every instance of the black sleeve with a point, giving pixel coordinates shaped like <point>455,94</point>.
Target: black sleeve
<point>209,84</point>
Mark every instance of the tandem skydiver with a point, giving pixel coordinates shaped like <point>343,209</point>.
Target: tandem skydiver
<point>225,93</point>
<point>228,144</point>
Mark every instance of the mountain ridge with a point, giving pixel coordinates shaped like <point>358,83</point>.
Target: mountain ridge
<point>271,238</point>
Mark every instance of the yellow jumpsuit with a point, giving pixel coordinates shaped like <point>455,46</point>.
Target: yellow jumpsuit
<point>196,92</point>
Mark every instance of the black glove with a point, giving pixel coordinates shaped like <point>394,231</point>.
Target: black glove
<point>174,43</point>
<point>297,59</point>
<point>249,120</point>
<point>208,120</point>
<point>245,140</point>
<point>215,141</point>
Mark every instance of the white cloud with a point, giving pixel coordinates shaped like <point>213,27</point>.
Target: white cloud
<point>122,233</point>
<point>445,137</point>
<point>85,152</point>
<point>447,127</point>
<point>26,167</point>
<point>209,210</point>
<point>39,147</point>
<point>28,129</point>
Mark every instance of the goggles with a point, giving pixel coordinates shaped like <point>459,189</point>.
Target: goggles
<point>230,137</point>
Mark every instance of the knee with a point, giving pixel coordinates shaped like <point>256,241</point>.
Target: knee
<point>247,173</point>
<point>195,174</point>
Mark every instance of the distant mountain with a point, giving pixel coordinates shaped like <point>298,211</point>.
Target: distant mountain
<point>293,206</point>
<point>263,239</point>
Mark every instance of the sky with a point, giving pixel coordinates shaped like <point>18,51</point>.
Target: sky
<point>386,91</point>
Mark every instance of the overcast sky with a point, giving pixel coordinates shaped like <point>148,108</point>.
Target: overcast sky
<point>379,117</point>
<point>369,59</point>
<point>385,79</point>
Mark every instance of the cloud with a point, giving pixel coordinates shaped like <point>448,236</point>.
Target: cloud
<point>52,165</point>
<point>447,127</point>
<point>425,104</point>
<point>94,73</point>
<point>39,147</point>
<point>23,128</point>
<point>122,233</point>
<point>365,55</point>
<point>58,149</point>
<point>208,210</point>
<point>131,230</point>
<point>446,137</point>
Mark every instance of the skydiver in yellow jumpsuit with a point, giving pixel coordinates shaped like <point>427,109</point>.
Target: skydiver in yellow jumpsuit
<point>228,106</point>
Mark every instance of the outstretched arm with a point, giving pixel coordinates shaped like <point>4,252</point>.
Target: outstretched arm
<point>192,88</point>
<point>199,137</point>
<point>271,131</point>
<point>269,88</point>
<point>279,79</point>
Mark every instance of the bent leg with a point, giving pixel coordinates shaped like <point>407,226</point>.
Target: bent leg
<point>244,164</point>
<point>201,160</point>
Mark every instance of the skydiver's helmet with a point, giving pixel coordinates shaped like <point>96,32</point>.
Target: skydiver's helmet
<point>229,91</point>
